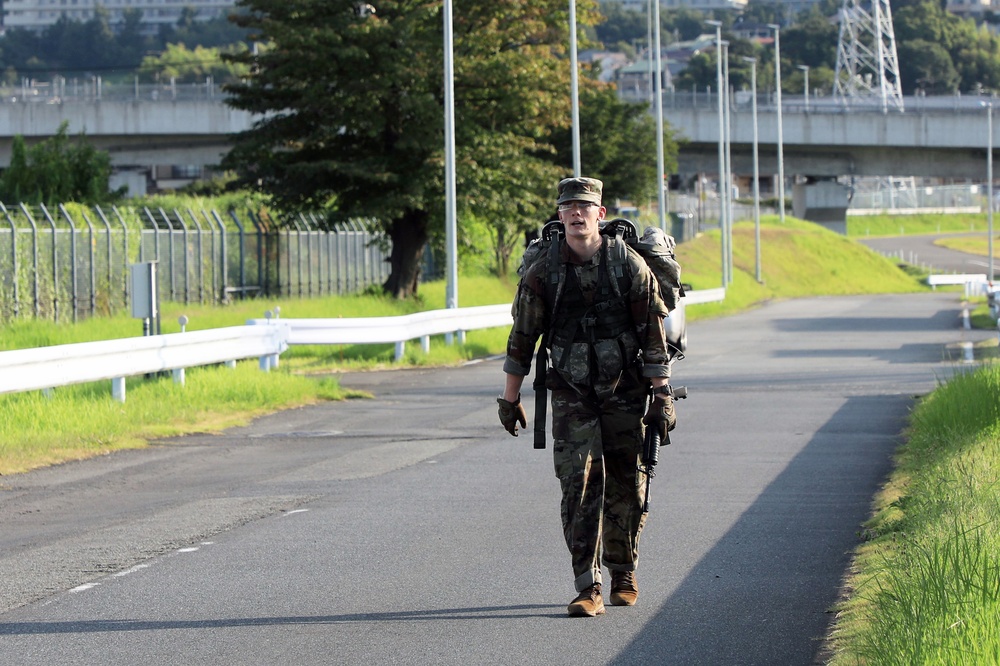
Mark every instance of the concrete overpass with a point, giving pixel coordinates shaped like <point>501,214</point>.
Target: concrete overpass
<point>934,137</point>
<point>944,137</point>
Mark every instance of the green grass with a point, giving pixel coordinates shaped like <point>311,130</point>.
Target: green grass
<point>798,258</point>
<point>926,585</point>
<point>81,421</point>
<point>902,225</point>
<point>972,245</point>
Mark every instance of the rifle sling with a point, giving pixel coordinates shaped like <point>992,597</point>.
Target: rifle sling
<point>541,395</point>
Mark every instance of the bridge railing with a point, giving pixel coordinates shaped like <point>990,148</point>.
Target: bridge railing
<point>816,104</point>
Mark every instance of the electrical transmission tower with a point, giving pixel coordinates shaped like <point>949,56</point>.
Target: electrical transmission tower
<point>867,73</point>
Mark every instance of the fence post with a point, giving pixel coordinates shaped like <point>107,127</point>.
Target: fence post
<point>259,230</point>
<point>213,255</point>
<point>125,273</point>
<point>201,258</point>
<point>298,251</point>
<point>309,272</point>
<point>34,254</point>
<point>223,242</point>
<point>55,266</point>
<point>13,257</point>
<point>170,249</point>
<point>243,250</point>
<point>107,230</point>
<point>187,269</point>
<point>93,259</point>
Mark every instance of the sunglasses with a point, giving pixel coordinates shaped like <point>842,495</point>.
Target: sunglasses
<point>578,205</point>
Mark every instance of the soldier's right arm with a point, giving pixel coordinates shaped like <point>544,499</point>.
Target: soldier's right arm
<point>530,321</point>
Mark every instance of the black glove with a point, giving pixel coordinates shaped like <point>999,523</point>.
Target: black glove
<point>661,415</point>
<point>512,413</point>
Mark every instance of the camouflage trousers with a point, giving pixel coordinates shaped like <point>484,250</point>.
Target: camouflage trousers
<point>596,454</point>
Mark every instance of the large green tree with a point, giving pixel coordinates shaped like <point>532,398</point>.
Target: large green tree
<point>351,104</point>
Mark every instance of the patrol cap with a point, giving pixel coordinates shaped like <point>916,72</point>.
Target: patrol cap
<point>580,189</point>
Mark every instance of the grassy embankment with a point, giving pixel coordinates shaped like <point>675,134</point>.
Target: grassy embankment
<point>798,259</point>
<point>925,586</point>
<point>904,225</point>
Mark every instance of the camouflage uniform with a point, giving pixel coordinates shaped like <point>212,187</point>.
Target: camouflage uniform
<point>598,400</point>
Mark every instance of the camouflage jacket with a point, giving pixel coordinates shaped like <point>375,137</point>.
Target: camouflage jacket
<point>532,318</point>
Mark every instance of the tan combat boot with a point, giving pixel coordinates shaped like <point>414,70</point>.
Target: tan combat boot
<point>588,603</point>
<point>624,590</point>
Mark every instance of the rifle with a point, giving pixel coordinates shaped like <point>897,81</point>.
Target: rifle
<point>651,445</point>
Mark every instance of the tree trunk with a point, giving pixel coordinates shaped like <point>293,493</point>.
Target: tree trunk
<point>408,235</point>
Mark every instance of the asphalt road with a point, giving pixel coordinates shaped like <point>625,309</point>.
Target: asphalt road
<point>410,529</point>
<point>921,250</point>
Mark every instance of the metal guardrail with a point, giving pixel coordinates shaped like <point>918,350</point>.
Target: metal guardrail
<point>399,330</point>
<point>62,365</point>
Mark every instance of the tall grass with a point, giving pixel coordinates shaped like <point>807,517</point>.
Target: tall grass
<point>81,421</point>
<point>927,583</point>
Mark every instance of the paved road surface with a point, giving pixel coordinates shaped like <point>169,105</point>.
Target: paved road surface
<point>410,529</point>
<point>921,250</point>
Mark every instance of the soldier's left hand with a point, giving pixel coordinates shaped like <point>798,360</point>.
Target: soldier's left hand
<point>661,414</point>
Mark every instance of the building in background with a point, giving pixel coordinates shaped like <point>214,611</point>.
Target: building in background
<point>40,14</point>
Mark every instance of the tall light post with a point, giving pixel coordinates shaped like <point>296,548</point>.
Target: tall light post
<point>989,189</point>
<point>722,152</point>
<point>730,216</point>
<point>805,85</point>
<point>756,166</point>
<point>661,196</point>
<point>574,88</point>
<point>450,209</point>
<point>781,148</point>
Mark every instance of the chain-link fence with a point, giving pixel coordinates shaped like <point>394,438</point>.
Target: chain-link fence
<point>73,262</point>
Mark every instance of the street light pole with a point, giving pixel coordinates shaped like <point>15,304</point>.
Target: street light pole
<point>756,166</point>
<point>661,196</point>
<point>722,152</point>
<point>781,148</point>
<point>805,87</point>
<point>574,88</point>
<point>989,189</point>
<point>450,214</point>
<point>730,216</point>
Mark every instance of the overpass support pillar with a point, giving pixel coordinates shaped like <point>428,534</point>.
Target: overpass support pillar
<point>823,201</point>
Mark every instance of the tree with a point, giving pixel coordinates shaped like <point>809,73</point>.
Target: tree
<point>352,111</point>
<point>190,65</point>
<point>57,170</point>
<point>926,66</point>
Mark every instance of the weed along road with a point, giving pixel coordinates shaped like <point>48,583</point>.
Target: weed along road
<point>411,529</point>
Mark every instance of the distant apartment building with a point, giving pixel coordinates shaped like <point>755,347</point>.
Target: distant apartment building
<point>39,14</point>
<point>972,8</point>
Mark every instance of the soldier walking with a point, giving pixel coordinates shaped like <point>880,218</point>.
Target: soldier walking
<point>602,324</point>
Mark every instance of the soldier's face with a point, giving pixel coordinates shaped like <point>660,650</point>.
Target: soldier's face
<point>581,219</point>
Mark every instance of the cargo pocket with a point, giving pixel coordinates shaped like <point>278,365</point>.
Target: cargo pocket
<point>609,360</point>
<point>575,367</point>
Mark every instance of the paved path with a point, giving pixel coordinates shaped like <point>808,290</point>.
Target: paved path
<point>410,529</point>
<point>921,250</point>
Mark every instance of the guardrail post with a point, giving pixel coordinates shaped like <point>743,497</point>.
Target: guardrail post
<point>400,349</point>
<point>425,343</point>
<point>118,389</point>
